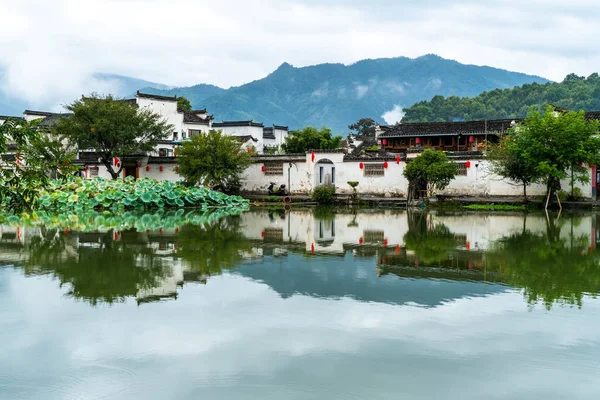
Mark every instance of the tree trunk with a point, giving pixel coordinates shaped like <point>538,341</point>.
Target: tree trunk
<point>524,192</point>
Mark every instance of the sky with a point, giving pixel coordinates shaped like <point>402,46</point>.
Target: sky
<point>50,48</point>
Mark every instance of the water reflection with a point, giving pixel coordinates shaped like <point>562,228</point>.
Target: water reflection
<point>370,255</point>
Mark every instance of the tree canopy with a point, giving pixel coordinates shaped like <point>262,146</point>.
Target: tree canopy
<point>431,170</point>
<point>364,127</point>
<point>183,104</point>
<point>214,160</point>
<point>574,93</point>
<point>311,138</point>
<point>112,128</point>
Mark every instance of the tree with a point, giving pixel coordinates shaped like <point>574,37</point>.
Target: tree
<point>431,170</point>
<point>364,127</point>
<point>184,104</point>
<point>213,160</point>
<point>557,144</point>
<point>112,128</point>
<point>311,138</point>
<point>508,160</point>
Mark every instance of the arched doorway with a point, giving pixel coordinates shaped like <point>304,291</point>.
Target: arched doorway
<point>324,173</point>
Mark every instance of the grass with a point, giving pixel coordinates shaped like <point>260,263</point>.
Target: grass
<point>495,207</point>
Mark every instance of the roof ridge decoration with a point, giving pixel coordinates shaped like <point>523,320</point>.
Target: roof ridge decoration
<point>155,96</point>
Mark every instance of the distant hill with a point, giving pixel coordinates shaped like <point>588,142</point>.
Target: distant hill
<point>196,94</point>
<point>573,93</point>
<point>337,95</point>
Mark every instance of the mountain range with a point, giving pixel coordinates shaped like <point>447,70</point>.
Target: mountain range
<point>333,95</point>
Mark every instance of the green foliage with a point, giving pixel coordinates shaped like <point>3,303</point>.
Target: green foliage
<point>113,128</point>
<point>365,127</point>
<point>372,148</point>
<point>323,194</point>
<point>311,138</point>
<point>495,207</point>
<point>432,243</point>
<point>76,195</point>
<point>431,170</point>
<point>183,104</point>
<point>213,160</point>
<point>575,93</point>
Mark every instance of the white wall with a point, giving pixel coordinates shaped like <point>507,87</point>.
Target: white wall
<point>167,109</point>
<point>255,131</point>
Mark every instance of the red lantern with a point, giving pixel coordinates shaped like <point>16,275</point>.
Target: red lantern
<point>398,159</point>
<point>177,168</point>
<point>471,139</point>
<point>468,246</point>
<point>385,164</point>
<point>249,150</point>
<point>161,168</point>
<point>468,164</point>
<point>397,249</point>
<point>312,156</point>
<point>139,164</point>
<point>384,142</point>
<point>263,169</point>
<point>96,167</point>
<point>86,168</point>
<point>361,165</point>
<point>385,242</point>
<point>418,141</point>
<point>361,241</point>
<point>147,168</point>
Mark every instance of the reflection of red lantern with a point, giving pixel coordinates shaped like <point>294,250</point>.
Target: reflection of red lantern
<point>468,164</point>
<point>385,164</point>
<point>385,242</point>
<point>96,167</point>
<point>147,168</point>
<point>471,139</point>
<point>418,141</point>
<point>398,159</point>
<point>263,169</point>
<point>86,168</point>
<point>384,142</point>
<point>262,234</point>
<point>161,169</point>
<point>361,241</point>
<point>177,168</point>
<point>468,246</point>
<point>361,165</point>
<point>397,249</point>
<point>312,248</point>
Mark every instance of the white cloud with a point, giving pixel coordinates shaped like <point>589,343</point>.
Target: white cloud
<point>50,48</point>
<point>361,90</point>
<point>394,115</point>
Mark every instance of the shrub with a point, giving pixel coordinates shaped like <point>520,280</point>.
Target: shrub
<point>324,194</point>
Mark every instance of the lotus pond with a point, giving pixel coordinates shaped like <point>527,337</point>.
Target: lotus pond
<point>228,303</point>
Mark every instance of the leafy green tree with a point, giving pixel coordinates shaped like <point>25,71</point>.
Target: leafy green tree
<point>364,127</point>
<point>557,144</point>
<point>311,138</point>
<point>184,104</point>
<point>508,159</point>
<point>431,170</point>
<point>574,93</point>
<point>213,160</point>
<point>112,128</point>
<point>21,179</point>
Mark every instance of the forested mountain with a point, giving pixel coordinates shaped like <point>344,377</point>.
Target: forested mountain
<point>337,95</point>
<point>573,93</point>
<point>196,94</point>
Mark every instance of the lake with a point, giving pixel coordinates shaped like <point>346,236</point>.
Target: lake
<point>302,304</point>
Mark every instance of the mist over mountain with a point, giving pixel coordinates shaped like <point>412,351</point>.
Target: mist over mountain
<point>334,95</point>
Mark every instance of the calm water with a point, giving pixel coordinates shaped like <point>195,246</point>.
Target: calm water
<point>305,305</point>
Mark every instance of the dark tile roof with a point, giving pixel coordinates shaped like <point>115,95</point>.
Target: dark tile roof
<point>237,123</point>
<point>592,115</point>
<point>155,96</point>
<point>280,127</point>
<point>245,138</point>
<point>414,129</point>
<point>199,111</point>
<point>38,113</point>
<point>190,117</point>
<point>268,133</point>
<point>5,117</point>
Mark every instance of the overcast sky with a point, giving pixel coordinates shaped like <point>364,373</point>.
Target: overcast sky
<point>49,47</point>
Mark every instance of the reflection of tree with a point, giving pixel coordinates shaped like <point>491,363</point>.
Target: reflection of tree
<point>551,269</point>
<point>108,271</point>
<point>210,248</point>
<point>431,242</point>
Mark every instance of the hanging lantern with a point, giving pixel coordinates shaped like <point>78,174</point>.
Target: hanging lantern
<point>86,168</point>
<point>161,168</point>
<point>361,165</point>
<point>397,249</point>
<point>139,164</point>
<point>385,242</point>
<point>249,149</point>
<point>468,164</point>
<point>96,167</point>
<point>177,168</point>
<point>147,168</point>
<point>398,159</point>
<point>418,141</point>
<point>468,246</point>
<point>361,241</point>
<point>263,169</point>
<point>471,139</point>
<point>385,164</point>
<point>384,142</point>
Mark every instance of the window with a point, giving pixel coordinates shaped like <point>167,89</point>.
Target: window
<point>374,169</point>
<point>321,175</point>
<point>194,132</point>
<point>274,168</point>
<point>462,169</point>
<point>333,175</point>
<point>165,152</point>
<point>175,136</point>
<point>373,236</point>
<point>93,172</point>
<point>273,235</point>
<point>183,135</point>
